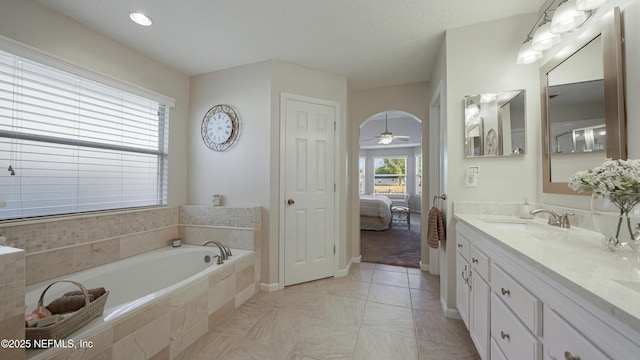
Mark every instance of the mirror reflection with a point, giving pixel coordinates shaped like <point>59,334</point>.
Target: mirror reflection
<point>583,117</point>
<point>495,124</point>
<point>576,112</point>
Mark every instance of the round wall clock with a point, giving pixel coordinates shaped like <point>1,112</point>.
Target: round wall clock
<point>220,128</point>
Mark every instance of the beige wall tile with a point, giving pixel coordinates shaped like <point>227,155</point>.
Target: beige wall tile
<point>246,294</point>
<point>221,292</point>
<point>91,255</point>
<point>221,274</point>
<point>244,278</point>
<point>12,328</point>
<point>164,354</point>
<point>101,342</point>
<point>188,337</point>
<point>192,291</point>
<point>127,326</point>
<point>48,265</point>
<point>219,314</point>
<point>188,315</point>
<point>144,342</point>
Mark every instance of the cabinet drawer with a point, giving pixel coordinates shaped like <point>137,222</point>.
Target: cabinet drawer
<point>496,353</point>
<point>480,262</point>
<point>463,246</point>
<point>562,341</point>
<point>526,306</point>
<point>510,335</point>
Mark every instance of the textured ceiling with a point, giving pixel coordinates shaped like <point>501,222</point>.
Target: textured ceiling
<point>372,42</point>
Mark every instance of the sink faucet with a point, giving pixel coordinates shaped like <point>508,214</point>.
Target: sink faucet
<point>554,218</point>
<point>223,252</point>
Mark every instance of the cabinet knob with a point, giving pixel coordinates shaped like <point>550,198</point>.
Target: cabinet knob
<point>569,356</point>
<point>459,246</point>
<point>474,260</point>
<point>505,291</point>
<point>504,335</point>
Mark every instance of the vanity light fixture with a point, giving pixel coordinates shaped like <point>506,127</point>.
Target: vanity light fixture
<point>589,4</point>
<point>140,19</point>
<point>527,54</point>
<point>543,38</point>
<point>567,17</point>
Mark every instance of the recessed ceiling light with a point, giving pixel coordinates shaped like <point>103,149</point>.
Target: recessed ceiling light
<point>140,19</point>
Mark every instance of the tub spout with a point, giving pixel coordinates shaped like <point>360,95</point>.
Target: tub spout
<point>223,251</point>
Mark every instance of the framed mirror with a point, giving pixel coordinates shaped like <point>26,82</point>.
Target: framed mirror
<point>583,118</point>
<point>494,124</point>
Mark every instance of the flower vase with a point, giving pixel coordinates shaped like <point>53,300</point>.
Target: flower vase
<point>617,217</point>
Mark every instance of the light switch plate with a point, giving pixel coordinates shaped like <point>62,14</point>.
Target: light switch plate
<point>3,204</point>
<point>471,176</point>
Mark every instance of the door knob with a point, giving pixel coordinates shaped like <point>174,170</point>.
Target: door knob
<point>290,202</point>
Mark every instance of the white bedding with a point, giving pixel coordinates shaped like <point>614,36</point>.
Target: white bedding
<point>375,212</point>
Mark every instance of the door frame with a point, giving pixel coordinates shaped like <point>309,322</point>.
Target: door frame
<point>284,96</point>
<point>437,179</point>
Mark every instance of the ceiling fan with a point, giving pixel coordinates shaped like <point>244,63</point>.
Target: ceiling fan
<point>386,137</point>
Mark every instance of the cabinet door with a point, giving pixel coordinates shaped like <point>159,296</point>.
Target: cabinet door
<point>463,271</point>
<point>480,315</point>
<point>563,341</point>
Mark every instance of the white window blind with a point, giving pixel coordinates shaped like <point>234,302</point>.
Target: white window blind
<point>69,144</point>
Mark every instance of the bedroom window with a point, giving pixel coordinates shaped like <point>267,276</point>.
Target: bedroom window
<point>390,175</point>
<point>70,144</point>
<point>361,174</point>
<point>419,175</point>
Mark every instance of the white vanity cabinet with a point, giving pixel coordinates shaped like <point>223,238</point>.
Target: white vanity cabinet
<point>473,293</point>
<point>517,309</point>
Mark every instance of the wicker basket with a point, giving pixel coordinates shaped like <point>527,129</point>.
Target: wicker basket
<point>71,322</point>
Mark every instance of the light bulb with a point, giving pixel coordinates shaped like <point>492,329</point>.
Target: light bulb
<point>543,38</point>
<point>567,18</point>
<point>527,54</point>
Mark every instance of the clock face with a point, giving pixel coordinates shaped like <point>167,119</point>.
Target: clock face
<point>220,128</point>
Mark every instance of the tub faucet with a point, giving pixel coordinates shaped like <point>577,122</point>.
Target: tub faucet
<point>554,218</point>
<point>223,252</point>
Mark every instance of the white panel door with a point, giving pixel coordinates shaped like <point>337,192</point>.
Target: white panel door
<point>309,197</point>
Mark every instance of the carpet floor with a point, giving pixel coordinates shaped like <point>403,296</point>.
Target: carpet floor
<point>395,246</point>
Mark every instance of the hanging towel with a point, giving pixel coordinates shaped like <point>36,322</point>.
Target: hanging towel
<point>435,230</point>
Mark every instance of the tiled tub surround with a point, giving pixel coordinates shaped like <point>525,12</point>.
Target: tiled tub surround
<point>12,279</point>
<point>168,299</point>
<point>60,246</point>
<point>607,282</point>
<point>56,247</point>
<point>238,227</point>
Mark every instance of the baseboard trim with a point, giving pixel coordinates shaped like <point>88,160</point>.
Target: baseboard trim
<point>423,266</point>
<point>269,287</point>
<point>345,271</point>
<point>449,313</point>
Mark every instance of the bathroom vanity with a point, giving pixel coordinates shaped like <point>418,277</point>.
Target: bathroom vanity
<point>528,290</point>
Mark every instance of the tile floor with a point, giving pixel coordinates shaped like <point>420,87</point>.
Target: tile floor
<point>376,312</point>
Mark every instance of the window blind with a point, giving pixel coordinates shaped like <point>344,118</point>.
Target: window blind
<point>70,144</point>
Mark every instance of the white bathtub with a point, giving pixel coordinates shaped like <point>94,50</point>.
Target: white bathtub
<point>133,283</point>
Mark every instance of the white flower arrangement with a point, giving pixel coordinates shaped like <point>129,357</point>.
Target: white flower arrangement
<point>617,179</point>
<point>621,177</point>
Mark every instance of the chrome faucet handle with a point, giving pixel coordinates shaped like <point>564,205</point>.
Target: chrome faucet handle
<point>564,220</point>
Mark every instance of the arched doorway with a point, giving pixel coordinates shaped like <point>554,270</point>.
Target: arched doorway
<point>390,168</point>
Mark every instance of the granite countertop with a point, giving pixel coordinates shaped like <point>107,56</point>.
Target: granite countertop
<point>574,258</point>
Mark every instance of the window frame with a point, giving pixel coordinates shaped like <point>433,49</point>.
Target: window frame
<point>164,103</point>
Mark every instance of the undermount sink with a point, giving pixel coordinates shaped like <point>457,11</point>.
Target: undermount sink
<point>520,225</point>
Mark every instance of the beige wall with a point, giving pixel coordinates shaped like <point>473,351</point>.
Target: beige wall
<point>39,27</point>
<point>250,172</point>
<point>475,67</point>
<point>411,98</point>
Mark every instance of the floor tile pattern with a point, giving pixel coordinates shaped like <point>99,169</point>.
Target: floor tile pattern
<point>375,312</point>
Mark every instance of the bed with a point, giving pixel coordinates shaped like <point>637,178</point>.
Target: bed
<point>375,212</point>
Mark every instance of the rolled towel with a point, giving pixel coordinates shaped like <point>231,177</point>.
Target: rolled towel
<point>39,313</point>
<point>97,292</point>
<point>68,303</point>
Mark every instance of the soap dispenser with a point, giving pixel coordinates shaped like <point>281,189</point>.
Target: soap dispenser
<point>524,210</point>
